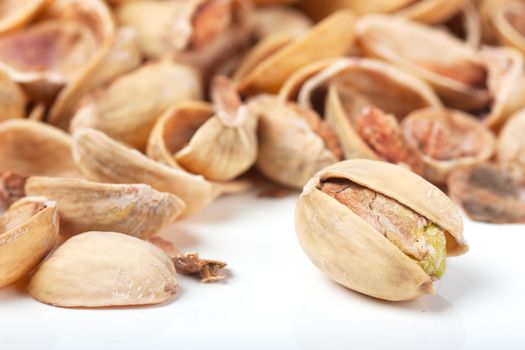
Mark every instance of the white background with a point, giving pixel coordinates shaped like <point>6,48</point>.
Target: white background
<point>276,299</point>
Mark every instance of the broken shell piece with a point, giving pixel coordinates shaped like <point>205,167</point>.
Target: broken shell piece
<point>119,58</point>
<point>16,13</point>
<point>511,143</point>
<point>383,240</point>
<point>101,158</point>
<point>135,209</point>
<point>447,140</point>
<point>29,147</point>
<point>12,99</point>
<point>431,11</point>
<point>220,146</point>
<point>293,143</point>
<point>192,264</point>
<point>489,193</point>
<point>28,231</point>
<point>97,269</point>
<point>330,38</point>
<point>455,71</point>
<point>127,109</point>
<point>281,20</point>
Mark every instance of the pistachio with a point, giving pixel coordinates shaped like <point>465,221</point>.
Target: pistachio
<point>12,99</point>
<point>135,209</point>
<point>511,144</point>
<point>28,231</point>
<point>97,269</point>
<point>16,13</point>
<point>270,20</point>
<point>382,240</point>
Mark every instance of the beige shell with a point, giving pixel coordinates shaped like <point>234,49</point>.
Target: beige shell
<point>127,109</point>
<point>101,158</point>
<point>432,11</point>
<point>271,20</point>
<point>330,38</point>
<point>462,133</point>
<point>16,13</point>
<point>135,209</point>
<point>454,69</point>
<point>351,252</point>
<point>219,146</point>
<point>506,19</point>
<point>12,99</point>
<point>290,152</point>
<point>33,148</point>
<point>354,83</point>
<point>119,58</point>
<point>320,9</point>
<point>68,35</point>
<point>97,269</point>
<point>511,143</point>
<point>29,230</point>
<point>274,2</point>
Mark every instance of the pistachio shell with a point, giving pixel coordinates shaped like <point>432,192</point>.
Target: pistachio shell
<point>432,11</point>
<point>119,58</point>
<point>272,20</point>
<point>458,133</point>
<point>33,148</point>
<point>97,269</point>
<point>16,13</point>
<point>320,9</point>
<point>12,99</point>
<point>455,71</point>
<point>136,210</point>
<point>29,230</point>
<point>511,144</point>
<point>273,2</point>
<point>466,25</point>
<point>506,20</point>
<point>330,38</point>
<point>128,108</point>
<point>351,251</point>
<point>102,159</point>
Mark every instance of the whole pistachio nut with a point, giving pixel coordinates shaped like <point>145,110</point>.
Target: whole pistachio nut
<point>378,229</point>
<point>97,269</point>
<point>28,231</point>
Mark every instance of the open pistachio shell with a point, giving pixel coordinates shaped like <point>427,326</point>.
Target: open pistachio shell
<point>135,209</point>
<point>16,13</point>
<point>33,148</point>
<point>119,58</point>
<point>330,38</point>
<point>12,99</point>
<point>273,20</point>
<point>511,144</point>
<point>431,11</point>
<point>128,108</point>
<point>455,70</point>
<point>290,151</point>
<point>97,269</point>
<point>447,140</point>
<point>68,35</point>
<point>351,251</point>
<point>29,230</point>
<point>101,158</point>
<point>506,19</point>
<point>320,9</point>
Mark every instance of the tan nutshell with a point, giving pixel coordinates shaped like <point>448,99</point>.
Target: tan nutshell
<point>271,20</point>
<point>134,209</point>
<point>127,109</point>
<point>33,148</point>
<point>28,231</point>
<point>16,13</point>
<point>432,11</point>
<point>12,99</point>
<point>97,269</point>
<point>320,9</point>
<point>505,19</point>
<point>290,149</point>
<point>511,142</point>
<point>103,159</point>
<point>375,238</point>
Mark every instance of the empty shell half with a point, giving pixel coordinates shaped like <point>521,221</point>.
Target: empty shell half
<point>28,231</point>
<point>134,209</point>
<point>97,269</point>
<point>378,229</point>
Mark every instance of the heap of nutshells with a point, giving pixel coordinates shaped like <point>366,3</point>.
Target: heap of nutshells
<point>119,117</point>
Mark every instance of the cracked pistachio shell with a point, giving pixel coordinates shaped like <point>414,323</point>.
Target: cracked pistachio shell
<point>119,58</point>
<point>28,231</point>
<point>33,148</point>
<point>97,269</point>
<point>134,209</point>
<point>454,70</point>
<point>127,109</point>
<point>12,99</point>
<point>431,11</point>
<point>511,144</point>
<point>290,152</point>
<point>331,37</point>
<point>103,159</point>
<point>351,252</point>
<point>320,9</point>
<point>476,140</point>
<point>16,13</point>
<point>271,20</point>
<point>506,21</point>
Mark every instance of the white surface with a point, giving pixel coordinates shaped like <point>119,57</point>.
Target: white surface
<point>276,299</point>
